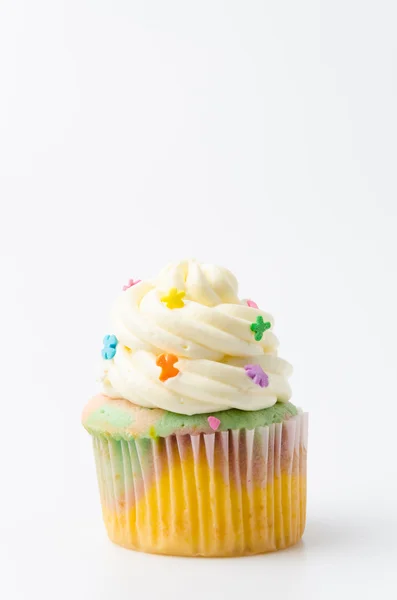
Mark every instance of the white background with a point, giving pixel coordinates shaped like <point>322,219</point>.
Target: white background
<point>254,134</point>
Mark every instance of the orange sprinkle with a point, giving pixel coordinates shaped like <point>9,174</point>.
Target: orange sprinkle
<point>166,362</point>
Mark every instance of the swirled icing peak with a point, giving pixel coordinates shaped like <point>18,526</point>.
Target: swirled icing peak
<point>191,316</point>
<point>206,284</point>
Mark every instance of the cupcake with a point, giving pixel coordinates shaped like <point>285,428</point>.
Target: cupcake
<point>198,449</point>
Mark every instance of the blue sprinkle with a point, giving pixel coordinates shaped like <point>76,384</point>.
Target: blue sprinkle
<point>109,347</point>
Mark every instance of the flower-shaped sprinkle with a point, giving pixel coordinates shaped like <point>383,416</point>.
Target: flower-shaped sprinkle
<point>167,362</point>
<point>214,423</point>
<point>174,298</point>
<point>130,283</point>
<point>257,374</point>
<point>109,346</point>
<point>259,327</point>
<point>252,304</point>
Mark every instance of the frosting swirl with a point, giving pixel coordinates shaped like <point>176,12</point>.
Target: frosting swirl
<point>211,336</point>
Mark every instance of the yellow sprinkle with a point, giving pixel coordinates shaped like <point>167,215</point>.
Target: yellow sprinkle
<point>174,298</point>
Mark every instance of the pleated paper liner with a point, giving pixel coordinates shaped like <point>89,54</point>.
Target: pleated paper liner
<point>221,494</point>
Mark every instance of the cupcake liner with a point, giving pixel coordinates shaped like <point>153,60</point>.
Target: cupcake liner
<point>221,494</point>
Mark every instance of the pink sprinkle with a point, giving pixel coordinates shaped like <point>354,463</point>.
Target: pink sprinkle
<point>252,304</point>
<point>130,283</point>
<point>214,423</point>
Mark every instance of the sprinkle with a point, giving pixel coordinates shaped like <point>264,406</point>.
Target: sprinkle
<point>259,328</point>
<point>166,362</point>
<point>174,298</point>
<point>130,283</point>
<point>103,378</point>
<point>109,346</point>
<point>252,304</point>
<point>257,374</point>
<point>214,423</point>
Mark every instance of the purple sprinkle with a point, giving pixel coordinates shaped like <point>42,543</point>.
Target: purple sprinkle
<point>257,374</point>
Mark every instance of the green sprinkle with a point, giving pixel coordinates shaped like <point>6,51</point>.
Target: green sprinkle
<point>259,328</point>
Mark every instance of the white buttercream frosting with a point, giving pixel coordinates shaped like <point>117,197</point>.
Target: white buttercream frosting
<point>211,336</point>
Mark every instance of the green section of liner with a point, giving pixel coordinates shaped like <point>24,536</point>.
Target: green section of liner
<point>111,421</point>
<point>229,419</point>
<point>108,417</point>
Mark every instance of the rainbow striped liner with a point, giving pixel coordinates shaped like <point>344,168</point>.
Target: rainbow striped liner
<point>228,493</point>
